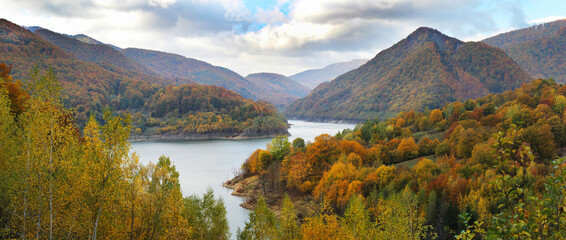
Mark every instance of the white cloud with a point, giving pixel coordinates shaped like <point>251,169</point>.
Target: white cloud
<point>270,16</point>
<point>546,19</point>
<point>161,3</point>
<point>285,37</point>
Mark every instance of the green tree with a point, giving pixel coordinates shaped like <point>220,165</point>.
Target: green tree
<point>279,148</point>
<point>357,220</point>
<point>288,229</point>
<point>298,143</point>
<point>206,216</point>
<point>261,224</point>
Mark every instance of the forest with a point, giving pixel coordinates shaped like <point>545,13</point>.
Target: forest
<point>481,169</point>
<point>207,110</point>
<point>61,182</point>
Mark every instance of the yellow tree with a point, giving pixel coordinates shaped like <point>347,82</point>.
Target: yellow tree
<point>436,116</point>
<point>166,204</point>
<point>9,145</point>
<point>49,148</point>
<point>105,150</point>
<point>357,220</point>
<point>322,225</point>
<point>408,149</point>
<point>288,229</point>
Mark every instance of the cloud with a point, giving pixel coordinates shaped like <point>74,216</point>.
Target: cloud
<point>161,3</point>
<point>546,19</point>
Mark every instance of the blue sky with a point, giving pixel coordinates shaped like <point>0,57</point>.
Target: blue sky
<point>254,4</point>
<point>281,36</point>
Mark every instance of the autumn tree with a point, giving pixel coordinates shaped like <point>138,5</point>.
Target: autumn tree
<point>322,225</point>
<point>408,149</point>
<point>105,149</point>
<point>436,116</point>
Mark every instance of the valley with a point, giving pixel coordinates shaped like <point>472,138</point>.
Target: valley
<point>432,138</point>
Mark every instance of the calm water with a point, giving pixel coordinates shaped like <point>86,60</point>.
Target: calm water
<point>206,164</point>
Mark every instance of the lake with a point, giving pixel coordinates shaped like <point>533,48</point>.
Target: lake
<point>209,163</point>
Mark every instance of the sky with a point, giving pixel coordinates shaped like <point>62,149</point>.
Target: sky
<point>280,36</point>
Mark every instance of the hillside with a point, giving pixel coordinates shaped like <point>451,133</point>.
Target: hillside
<point>540,49</point>
<point>91,87</point>
<point>192,111</point>
<point>171,65</point>
<point>508,39</point>
<point>492,162</point>
<point>89,50</point>
<point>178,67</point>
<point>279,87</point>
<point>314,77</point>
<point>423,71</point>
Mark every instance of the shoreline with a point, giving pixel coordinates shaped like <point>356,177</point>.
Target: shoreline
<point>326,120</point>
<point>197,137</point>
<point>249,188</point>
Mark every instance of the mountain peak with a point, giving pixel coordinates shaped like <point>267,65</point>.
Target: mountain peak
<point>426,34</point>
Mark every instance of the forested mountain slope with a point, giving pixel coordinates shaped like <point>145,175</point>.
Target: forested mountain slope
<point>92,52</point>
<point>482,169</point>
<point>92,87</point>
<point>171,65</point>
<point>540,49</point>
<point>279,87</point>
<point>89,86</point>
<point>509,39</point>
<point>423,71</point>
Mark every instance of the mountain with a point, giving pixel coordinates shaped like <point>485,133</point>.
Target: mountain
<point>422,71</point>
<point>80,37</point>
<point>91,50</point>
<point>184,111</point>
<point>160,67</point>
<point>89,86</point>
<point>508,39</point>
<point>171,65</point>
<point>314,77</point>
<point>279,87</point>
<point>540,49</point>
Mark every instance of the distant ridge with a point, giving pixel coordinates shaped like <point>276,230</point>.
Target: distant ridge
<point>540,49</point>
<point>423,71</point>
<point>314,77</point>
<point>508,39</point>
<point>278,85</point>
<point>171,65</point>
<point>91,50</point>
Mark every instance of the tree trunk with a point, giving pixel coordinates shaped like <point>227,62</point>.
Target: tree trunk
<point>51,181</point>
<point>96,223</point>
